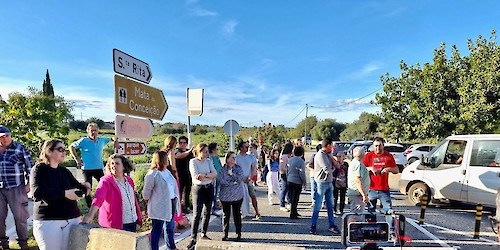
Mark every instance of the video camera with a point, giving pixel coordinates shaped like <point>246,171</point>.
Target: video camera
<point>369,230</point>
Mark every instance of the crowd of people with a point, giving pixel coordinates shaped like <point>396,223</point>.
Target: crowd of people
<point>181,180</point>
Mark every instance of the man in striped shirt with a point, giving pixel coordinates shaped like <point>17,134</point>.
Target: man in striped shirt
<point>15,167</point>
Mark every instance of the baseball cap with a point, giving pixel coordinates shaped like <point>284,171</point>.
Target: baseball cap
<point>250,138</point>
<point>4,130</point>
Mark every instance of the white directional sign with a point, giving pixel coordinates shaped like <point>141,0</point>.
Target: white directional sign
<point>129,127</point>
<point>130,66</point>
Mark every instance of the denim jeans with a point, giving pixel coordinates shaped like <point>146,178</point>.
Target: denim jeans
<point>156,233</point>
<point>169,233</point>
<point>313,188</point>
<point>324,189</point>
<point>216,194</point>
<point>284,196</point>
<point>385,199</point>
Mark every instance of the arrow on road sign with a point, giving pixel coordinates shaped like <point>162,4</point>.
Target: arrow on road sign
<point>130,66</point>
<point>134,98</point>
<point>129,127</point>
<point>132,148</point>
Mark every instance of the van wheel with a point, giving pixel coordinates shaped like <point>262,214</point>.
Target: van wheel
<point>411,160</point>
<point>416,191</point>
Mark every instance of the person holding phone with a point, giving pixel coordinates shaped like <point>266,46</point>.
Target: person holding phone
<point>55,194</point>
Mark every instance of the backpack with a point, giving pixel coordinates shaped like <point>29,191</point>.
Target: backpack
<point>341,179</point>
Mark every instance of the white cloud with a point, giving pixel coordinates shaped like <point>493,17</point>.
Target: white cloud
<point>228,27</point>
<point>202,12</point>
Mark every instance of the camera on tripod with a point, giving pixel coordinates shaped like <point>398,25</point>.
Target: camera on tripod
<point>369,230</point>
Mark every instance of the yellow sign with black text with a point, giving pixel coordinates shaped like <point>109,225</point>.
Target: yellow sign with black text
<point>134,98</point>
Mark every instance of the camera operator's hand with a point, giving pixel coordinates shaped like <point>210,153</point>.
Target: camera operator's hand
<point>71,195</point>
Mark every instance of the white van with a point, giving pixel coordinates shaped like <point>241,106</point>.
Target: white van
<point>462,168</point>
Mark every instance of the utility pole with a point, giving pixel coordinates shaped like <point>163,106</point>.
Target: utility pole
<point>305,128</point>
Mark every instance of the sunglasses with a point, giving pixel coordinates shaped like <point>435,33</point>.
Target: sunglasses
<point>60,149</point>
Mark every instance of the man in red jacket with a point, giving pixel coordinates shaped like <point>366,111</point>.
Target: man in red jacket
<point>380,163</point>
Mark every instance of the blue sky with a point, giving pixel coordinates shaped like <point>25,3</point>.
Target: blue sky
<point>257,60</point>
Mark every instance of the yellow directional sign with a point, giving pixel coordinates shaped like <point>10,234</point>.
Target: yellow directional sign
<point>135,98</point>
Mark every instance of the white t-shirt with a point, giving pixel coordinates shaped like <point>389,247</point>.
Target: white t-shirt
<point>172,183</point>
<point>245,162</point>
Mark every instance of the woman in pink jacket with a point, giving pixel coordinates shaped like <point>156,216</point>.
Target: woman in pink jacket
<point>115,197</point>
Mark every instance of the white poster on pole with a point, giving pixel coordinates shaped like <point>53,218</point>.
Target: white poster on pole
<point>195,102</point>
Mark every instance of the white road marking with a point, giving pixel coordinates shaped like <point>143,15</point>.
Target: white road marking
<point>461,233</point>
<point>429,234</point>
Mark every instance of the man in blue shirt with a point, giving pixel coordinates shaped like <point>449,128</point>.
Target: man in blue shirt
<point>91,160</point>
<point>15,167</point>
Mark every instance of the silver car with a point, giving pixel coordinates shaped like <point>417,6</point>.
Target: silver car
<point>415,151</point>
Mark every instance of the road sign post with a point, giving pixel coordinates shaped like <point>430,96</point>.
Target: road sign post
<point>129,127</point>
<point>231,127</point>
<point>134,98</point>
<point>130,66</point>
<point>132,148</point>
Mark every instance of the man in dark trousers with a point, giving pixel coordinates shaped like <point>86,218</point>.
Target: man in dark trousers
<point>182,157</point>
<point>15,167</point>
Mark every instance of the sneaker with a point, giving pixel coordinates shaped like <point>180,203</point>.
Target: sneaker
<point>288,206</point>
<point>312,230</point>
<point>257,217</point>
<point>205,237</point>
<point>284,209</point>
<point>191,245</point>
<point>338,213</point>
<point>393,237</point>
<point>334,230</point>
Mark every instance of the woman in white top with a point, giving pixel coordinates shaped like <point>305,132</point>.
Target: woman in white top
<point>202,173</point>
<point>162,195</point>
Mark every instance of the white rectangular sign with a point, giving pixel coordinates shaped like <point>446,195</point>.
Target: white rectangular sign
<point>130,66</point>
<point>129,127</point>
<point>195,102</point>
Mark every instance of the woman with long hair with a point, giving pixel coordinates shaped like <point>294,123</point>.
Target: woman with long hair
<point>272,181</point>
<point>55,194</point>
<point>169,147</point>
<point>231,193</point>
<point>202,173</point>
<point>115,197</point>
<point>162,195</point>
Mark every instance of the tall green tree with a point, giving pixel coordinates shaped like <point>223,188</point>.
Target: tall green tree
<point>327,128</point>
<point>452,95</point>
<point>48,89</point>
<point>303,126</point>
<point>31,122</point>
<point>366,127</point>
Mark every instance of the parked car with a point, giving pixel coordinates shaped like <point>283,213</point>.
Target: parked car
<point>416,151</point>
<point>397,151</point>
<point>462,168</point>
<point>342,146</point>
<point>365,144</point>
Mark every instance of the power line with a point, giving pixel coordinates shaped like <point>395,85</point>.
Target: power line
<point>350,102</point>
<point>295,116</point>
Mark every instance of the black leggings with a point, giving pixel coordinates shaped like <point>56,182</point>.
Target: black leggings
<point>97,174</point>
<point>226,208</point>
<point>336,192</point>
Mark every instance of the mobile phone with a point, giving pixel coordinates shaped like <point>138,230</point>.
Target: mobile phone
<point>79,193</point>
<point>368,232</point>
